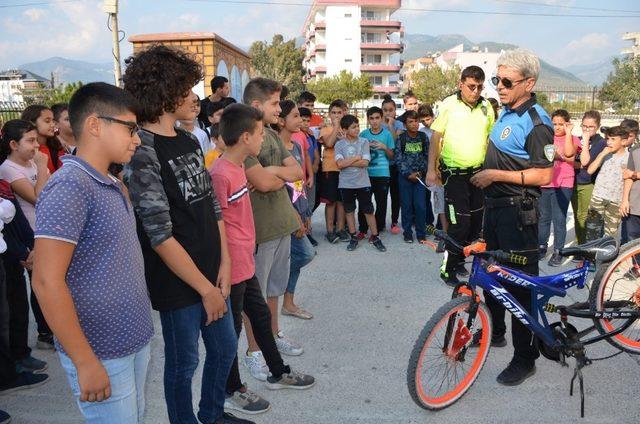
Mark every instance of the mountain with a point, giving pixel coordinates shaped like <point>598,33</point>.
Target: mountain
<point>67,71</point>
<point>593,73</point>
<point>418,45</point>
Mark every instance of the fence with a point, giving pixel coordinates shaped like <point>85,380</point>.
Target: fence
<point>10,110</point>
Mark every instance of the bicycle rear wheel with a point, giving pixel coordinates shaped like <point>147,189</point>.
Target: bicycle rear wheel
<point>444,364</point>
<point>617,283</point>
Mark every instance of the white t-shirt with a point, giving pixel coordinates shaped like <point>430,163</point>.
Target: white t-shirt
<point>203,139</point>
<point>11,172</point>
<point>7,212</point>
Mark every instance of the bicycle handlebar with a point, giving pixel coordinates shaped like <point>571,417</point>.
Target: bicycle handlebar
<point>477,249</point>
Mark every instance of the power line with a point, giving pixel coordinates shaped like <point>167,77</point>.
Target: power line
<point>37,3</point>
<point>561,6</point>
<point>418,9</point>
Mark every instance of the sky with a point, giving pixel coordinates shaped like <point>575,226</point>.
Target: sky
<point>33,30</point>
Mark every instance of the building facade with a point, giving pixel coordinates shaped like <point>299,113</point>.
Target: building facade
<point>358,36</point>
<point>216,55</point>
<point>634,37</point>
<point>16,81</point>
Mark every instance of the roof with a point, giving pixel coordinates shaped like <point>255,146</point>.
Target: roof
<point>185,36</point>
<point>380,4</point>
<point>23,74</point>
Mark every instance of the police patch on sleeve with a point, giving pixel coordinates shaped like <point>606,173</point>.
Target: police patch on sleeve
<point>550,152</point>
<point>505,133</point>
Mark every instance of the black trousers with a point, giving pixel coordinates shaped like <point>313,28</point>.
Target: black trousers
<point>18,300</point>
<point>7,365</point>
<point>463,209</point>
<point>41,323</point>
<point>380,188</point>
<point>247,297</point>
<point>502,230</point>
<point>394,189</point>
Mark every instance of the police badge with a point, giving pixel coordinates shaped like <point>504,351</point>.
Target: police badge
<point>550,152</point>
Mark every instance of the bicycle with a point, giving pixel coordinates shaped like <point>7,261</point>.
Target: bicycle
<point>454,344</point>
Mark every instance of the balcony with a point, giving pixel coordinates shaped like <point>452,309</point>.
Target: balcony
<point>386,89</point>
<point>375,67</point>
<point>321,47</point>
<point>321,25</point>
<point>321,69</point>
<point>395,47</point>
<point>389,25</point>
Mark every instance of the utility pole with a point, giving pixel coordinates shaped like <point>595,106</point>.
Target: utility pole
<point>111,8</point>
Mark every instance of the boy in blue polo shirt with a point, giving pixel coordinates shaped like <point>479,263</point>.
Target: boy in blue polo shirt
<point>381,148</point>
<point>88,270</point>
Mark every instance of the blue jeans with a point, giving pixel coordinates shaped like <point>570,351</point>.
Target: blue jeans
<point>302,252</point>
<point>181,329</point>
<point>127,377</point>
<point>630,228</point>
<point>553,206</point>
<point>413,201</point>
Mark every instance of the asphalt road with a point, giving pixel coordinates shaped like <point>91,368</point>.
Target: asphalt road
<point>369,308</point>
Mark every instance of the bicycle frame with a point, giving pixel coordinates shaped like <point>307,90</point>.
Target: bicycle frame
<point>492,278</point>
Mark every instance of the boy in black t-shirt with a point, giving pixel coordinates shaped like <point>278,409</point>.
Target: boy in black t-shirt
<point>182,235</point>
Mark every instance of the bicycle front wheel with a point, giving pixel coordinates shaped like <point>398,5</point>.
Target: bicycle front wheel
<point>612,289</point>
<point>449,354</point>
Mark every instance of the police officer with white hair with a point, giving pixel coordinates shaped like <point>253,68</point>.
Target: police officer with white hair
<point>519,160</point>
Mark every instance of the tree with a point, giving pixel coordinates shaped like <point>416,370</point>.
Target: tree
<point>280,61</point>
<point>344,86</point>
<point>433,84</point>
<point>50,96</point>
<point>622,88</point>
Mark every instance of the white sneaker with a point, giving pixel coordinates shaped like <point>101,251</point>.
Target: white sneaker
<point>256,365</point>
<point>286,346</point>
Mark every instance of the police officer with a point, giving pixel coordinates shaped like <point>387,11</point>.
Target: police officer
<point>460,140</point>
<point>519,160</point>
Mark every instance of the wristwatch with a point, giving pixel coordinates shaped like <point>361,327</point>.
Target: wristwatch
<point>634,176</point>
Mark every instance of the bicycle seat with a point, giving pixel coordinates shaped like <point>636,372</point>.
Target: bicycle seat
<point>604,249</point>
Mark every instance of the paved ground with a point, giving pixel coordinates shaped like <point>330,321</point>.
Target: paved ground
<point>369,308</point>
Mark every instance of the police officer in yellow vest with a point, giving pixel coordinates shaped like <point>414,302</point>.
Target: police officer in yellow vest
<point>460,134</point>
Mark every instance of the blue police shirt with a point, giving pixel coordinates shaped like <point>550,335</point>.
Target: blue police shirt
<point>517,142</point>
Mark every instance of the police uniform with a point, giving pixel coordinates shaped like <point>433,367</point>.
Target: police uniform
<point>522,138</point>
<point>464,130</point>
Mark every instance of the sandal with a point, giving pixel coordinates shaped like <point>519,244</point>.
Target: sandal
<point>298,313</point>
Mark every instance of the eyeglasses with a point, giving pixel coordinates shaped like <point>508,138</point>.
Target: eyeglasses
<point>474,87</point>
<point>133,127</point>
<point>506,82</point>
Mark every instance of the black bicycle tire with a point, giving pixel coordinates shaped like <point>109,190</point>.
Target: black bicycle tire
<point>595,288</point>
<point>422,338</point>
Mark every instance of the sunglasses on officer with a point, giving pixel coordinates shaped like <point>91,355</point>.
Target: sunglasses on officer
<point>506,82</point>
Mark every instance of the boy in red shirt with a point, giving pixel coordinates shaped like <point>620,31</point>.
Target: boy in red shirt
<point>242,131</point>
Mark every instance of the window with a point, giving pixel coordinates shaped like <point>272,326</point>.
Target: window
<point>375,80</point>
<point>348,61</point>
<point>347,15</point>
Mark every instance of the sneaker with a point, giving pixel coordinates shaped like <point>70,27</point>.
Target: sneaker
<point>556,259</point>
<point>440,248</point>
<point>395,229</point>
<point>247,402</point>
<point>515,374</point>
<point>30,364</point>
<point>256,365</point>
<point>4,417</point>
<point>344,236</point>
<point>361,235</point>
<point>632,274</point>
<point>227,418</point>
<point>542,251</point>
<point>353,244</point>
<point>313,241</point>
<point>332,237</point>
<point>449,280</point>
<point>421,240</point>
<point>45,342</point>
<point>287,347</point>
<point>461,271</point>
<point>292,380</point>
<point>25,380</point>
<point>408,238</point>
<point>375,240</point>
<point>498,341</point>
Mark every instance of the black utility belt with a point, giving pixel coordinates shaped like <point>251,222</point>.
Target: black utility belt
<point>460,171</point>
<point>526,207</point>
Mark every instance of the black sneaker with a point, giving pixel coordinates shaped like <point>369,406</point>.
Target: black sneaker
<point>440,248</point>
<point>313,241</point>
<point>25,380</point>
<point>45,342</point>
<point>542,251</point>
<point>449,280</point>
<point>498,341</point>
<point>515,373</point>
<point>353,244</point>
<point>227,418</point>
<point>332,237</point>
<point>30,364</point>
<point>344,236</point>
<point>408,238</point>
<point>461,271</point>
<point>4,417</point>
<point>556,259</point>
<point>375,240</point>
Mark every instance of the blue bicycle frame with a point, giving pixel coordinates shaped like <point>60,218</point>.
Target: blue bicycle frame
<point>492,278</point>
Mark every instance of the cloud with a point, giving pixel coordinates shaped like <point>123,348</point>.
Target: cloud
<point>34,15</point>
<point>587,49</point>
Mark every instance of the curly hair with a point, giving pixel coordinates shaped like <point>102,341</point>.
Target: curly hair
<point>160,78</point>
